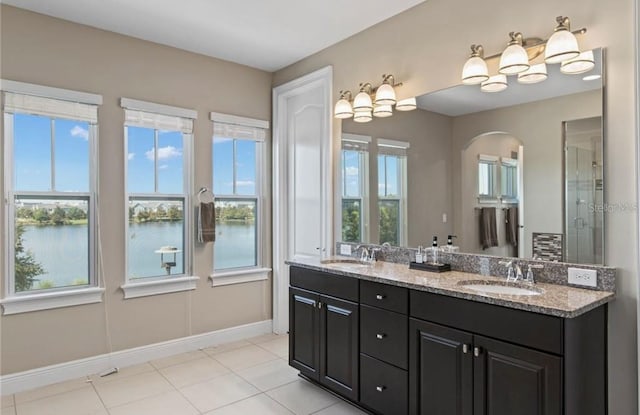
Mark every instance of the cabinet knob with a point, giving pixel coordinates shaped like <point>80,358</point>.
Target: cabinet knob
<point>380,388</point>
<point>379,297</point>
<point>380,336</point>
<point>476,351</point>
<point>319,305</point>
<point>465,348</point>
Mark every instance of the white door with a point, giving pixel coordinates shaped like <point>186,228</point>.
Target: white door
<point>302,191</point>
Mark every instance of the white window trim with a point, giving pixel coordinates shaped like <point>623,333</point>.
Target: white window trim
<point>16,303</point>
<point>48,300</point>
<point>364,184</point>
<point>239,276</point>
<point>259,272</point>
<point>148,286</point>
<point>159,286</point>
<point>402,199</point>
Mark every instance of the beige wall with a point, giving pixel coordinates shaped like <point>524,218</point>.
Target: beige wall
<point>538,125</point>
<point>52,52</point>
<point>428,162</point>
<point>425,47</point>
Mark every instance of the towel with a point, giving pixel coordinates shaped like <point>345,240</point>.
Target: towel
<point>488,228</point>
<point>511,220</point>
<point>206,222</point>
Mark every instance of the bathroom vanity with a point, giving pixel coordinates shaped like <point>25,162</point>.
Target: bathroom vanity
<point>398,341</point>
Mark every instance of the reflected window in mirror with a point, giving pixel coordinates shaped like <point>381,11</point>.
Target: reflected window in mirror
<point>509,180</point>
<point>355,185</point>
<point>487,181</point>
<point>392,193</point>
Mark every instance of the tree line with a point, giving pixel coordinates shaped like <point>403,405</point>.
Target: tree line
<point>57,216</point>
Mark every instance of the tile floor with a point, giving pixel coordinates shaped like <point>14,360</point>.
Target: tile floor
<point>249,377</point>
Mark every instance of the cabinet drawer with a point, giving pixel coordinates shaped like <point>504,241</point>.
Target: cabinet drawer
<point>324,283</point>
<point>383,335</point>
<point>534,330</point>
<point>383,388</point>
<point>384,296</point>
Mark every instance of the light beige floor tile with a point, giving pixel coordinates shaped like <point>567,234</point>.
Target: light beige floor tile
<point>8,410</point>
<point>259,404</point>
<point>269,375</point>
<point>245,357</point>
<point>267,337</point>
<point>218,392</point>
<point>51,390</point>
<point>225,347</point>
<point>178,359</point>
<point>341,408</point>
<point>194,371</point>
<point>171,403</point>
<point>83,401</point>
<point>7,400</point>
<point>132,388</point>
<point>123,373</point>
<point>302,398</point>
<point>278,347</point>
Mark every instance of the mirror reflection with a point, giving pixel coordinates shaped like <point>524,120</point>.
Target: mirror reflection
<point>514,173</point>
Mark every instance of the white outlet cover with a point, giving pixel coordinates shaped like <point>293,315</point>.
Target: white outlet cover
<point>584,277</point>
<point>345,249</point>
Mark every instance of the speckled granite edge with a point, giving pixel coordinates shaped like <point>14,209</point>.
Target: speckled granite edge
<point>552,273</point>
<point>519,303</point>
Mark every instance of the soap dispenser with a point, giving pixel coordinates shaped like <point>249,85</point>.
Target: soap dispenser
<point>434,250</point>
<point>450,247</point>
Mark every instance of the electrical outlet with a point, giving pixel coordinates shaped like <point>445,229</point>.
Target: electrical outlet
<point>581,276</point>
<point>345,249</point>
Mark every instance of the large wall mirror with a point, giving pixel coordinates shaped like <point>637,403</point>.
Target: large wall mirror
<point>513,173</point>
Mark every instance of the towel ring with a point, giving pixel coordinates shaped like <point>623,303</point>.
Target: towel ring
<point>202,191</point>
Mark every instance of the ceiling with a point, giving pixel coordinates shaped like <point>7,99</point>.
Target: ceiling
<point>267,35</point>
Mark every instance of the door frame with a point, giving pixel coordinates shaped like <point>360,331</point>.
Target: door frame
<point>281,161</point>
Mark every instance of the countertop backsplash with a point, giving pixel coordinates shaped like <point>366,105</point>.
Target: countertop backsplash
<point>552,273</point>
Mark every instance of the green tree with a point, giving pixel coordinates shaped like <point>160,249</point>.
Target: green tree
<point>132,213</point>
<point>174,213</point>
<point>160,212</point>
<point>75,213</point>
<point>41,215</point>
<point>351,221</point>
<point>143,216</point>
<point>389,222</point>
<point>24,213</point>
<point>58,216</point>
<point>26,267</point>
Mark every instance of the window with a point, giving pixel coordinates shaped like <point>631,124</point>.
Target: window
<point>509,180</point>
<point>158,142</point>
<point>487,181</point>
<point>392,182</point>
<point>238,158</point>
<point>50,173</point>
<point>355,185</point>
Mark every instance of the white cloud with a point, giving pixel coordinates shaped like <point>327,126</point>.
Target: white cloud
<point>351,171</point>
<point>78,131</point>
<point>163,166</point>
<point>245,183</point>
<point>164,153</point>
<point>131,156</point>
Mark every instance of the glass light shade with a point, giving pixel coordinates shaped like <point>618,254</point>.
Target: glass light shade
<point>385,95</point>
<point>382,111</point>
<point>343,109</point>
<point>592,77</point>
<point>583,63</point>
<point>514,60</point>
<point>408,104</point>
<point>561,46</point>
<point>475,71</point>
<point>362,116</point>
<point>362,102</point>
<point>533,75</point>
<point>496,83</point>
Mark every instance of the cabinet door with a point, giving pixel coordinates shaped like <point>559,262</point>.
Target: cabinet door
<point>304,329</point>
<point>339,346</point>
<point>440,370</point>
<point>511,379</point>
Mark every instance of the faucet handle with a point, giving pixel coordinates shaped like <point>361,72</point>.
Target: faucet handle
<point>506,263</point>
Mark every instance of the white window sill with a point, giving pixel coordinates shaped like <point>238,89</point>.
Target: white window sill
<point>239,276</point>
<point>159,286</point>
<point>47,300</point>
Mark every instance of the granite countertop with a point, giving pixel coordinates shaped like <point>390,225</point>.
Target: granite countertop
<point>556,300</point>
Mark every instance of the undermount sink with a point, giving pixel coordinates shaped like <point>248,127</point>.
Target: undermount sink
<point>345,263</point>
<point>498,287</point>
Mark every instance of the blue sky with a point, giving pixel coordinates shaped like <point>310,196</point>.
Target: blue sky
<point>223,166</point>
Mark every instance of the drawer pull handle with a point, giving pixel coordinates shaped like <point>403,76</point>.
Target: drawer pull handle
<point>380,388</point>
<point>476,351</point>
<point>319,304</point>
<point>380,336</point>
<point>465,348</point>
<point>379,297</point>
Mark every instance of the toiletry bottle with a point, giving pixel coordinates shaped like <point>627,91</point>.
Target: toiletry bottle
<point>450,247</point>
<point>419,257</point>
<point>434,250</point>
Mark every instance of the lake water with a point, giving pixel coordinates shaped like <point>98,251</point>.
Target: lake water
<point>63,250</point>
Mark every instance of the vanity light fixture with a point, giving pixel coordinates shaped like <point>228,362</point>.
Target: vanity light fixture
<point>533,75</point>
<point>592,77</point>
<point>496,83</point>
<point>475,69</point>
<point>581,64</point>
<point>514,59</point>
<point>562,45</point>
<point>363,108</point>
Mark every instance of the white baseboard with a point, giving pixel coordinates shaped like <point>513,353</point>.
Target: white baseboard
<point>30,379</point>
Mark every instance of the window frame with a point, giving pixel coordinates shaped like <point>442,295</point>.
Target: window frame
<point>397,149</point>
<point>161,284</point>
<point>260,271</point>
<point>363,169</point>
<point>509,164</point>
<point>494,183</point>
<point>48,298</point>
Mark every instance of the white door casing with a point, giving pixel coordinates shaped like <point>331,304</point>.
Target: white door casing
<point>302,179</point>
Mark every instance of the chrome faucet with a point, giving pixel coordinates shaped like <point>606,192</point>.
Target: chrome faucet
<point>529,279</point>
<point>367,254</point>
<point>514,272</point>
